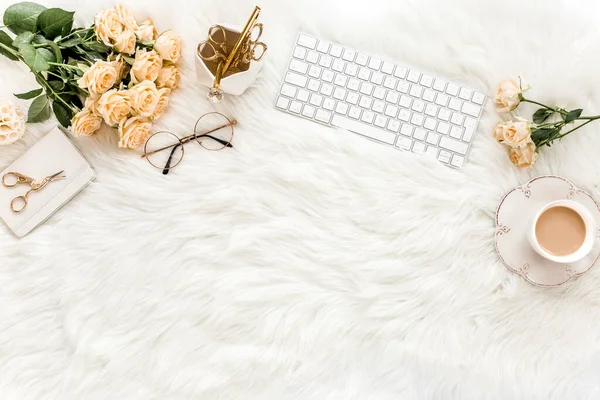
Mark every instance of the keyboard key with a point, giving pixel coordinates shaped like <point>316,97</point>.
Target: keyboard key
<point>338,65</point>
<point>369,131</point>
<point>439,85</point>
<point>400,72</point>
<point>420,134</point>
<point>431,151</point>
<point>378,106</point>
<point>307,41</point>
<point>351,69</point>
<point>283,102</point>
<point>456,132</point>
<point>418,148</point>
<point>315,71</point>
<point>349,55</point>
<point>457,119</point>
<point>361,59</point>
<point>379,93</point>
<point>465,93</point>
<point>407,130</point>
<point>417,119</point>
<point>444,114</point>
<point>470,109</point>
<point>352,98</point>
<point>340,80</point>
<point>365,102</point>
<point>403,86</point>
<point>327,75</point>
<point>374,63</point>
<point>470,124</point>
<point>405,101</point>
<point>416,91</point>
<point>325,61</point>
<point>404,143</point>
<point>353,84</point>
<point>296,107</point>
<point>316,99</point>
<point>413,76</point>
<point>339,93</point>
<point>418,106</point>
<point>380,121</point>
<point>354,112</point>
<point>314,85</point>
<point>341,108</point>
<point>430,124</point>
<point>312,57</point>
<point>364,73</point>
<point>390,82</point>
<point>478,98</point>
<point>387,68</point>
<point>404,115</point>
<point>323,47</point>
<point>336,50</point>
<point>428,95</point>
<point>453,145</point>
<point>366,88</point>
<point>327,89</point>
<point>377,78</point>
<point>433,138</point>
<point>303,95</point>
<point>300,52</point>
<point>454,104</point>
<point>452,89</point>
<point>391,111</point>
<point>426,80</point>
<point>295,79</point>
<point>443,157</point>
<point>323,116</point>
<point>367,116</point>
<point>308,111</point>
<point>457,161</point>
<point>393,125</point>
<point>441,99</point>
<point>431,110</point>
<point>392,97</point>
<point>288,90</point>
<point>328,104</point>
<point>443,128</point>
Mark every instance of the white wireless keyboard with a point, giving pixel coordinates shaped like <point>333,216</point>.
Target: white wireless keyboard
<point>389,103</point>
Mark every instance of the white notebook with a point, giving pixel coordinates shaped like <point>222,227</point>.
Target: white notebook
<point>53,153</point>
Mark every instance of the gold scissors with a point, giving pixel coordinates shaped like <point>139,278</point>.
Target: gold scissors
<point>215,47</point>
<point>252,48</point>
<point>12,179</point>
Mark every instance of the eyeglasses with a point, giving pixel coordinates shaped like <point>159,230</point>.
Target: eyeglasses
<point>164,150</point>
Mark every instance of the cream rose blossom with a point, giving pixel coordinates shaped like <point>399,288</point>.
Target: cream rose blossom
<point>125,42</point>
<point>108,26</point>
<point>168,45</point>
<point>146,31</point>
<point>169,77</point>
<point>126,17</point>
<point>514,133</point>
<point>114,105</point>
<point>134,132</point>
<point>85,123</point>
<point>508,96</point>
<point>144,98</point>
<point>99,78</point>
<point>524,156</point>
<point>163,102</point>
<point>146,67</point>
<point>12,123</point>
<point>91,103</point>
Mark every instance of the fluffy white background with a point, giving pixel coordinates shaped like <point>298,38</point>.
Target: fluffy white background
<point>309,263</point>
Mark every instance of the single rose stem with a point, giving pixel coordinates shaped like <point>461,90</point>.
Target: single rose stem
<point>555,109</point>
<point>10,50</point>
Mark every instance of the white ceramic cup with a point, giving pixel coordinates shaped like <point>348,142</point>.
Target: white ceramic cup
<point>235,84</point>
<point>588,242</point>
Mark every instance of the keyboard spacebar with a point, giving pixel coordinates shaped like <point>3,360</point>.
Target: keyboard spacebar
<point>366,130</point>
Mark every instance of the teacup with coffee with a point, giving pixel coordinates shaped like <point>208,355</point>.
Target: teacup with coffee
<point>563,231</point>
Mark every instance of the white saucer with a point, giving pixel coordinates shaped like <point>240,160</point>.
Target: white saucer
<point>513,218</point>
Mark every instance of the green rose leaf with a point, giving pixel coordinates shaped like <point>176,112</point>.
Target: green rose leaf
<point>57,86</point>
<point>36,59</point>
<point>63,114</point>
<point>39,110</point>
<point>542,114</point>
<point>22,38</point>
<point>71,42</point>
<point>98,47</point>
<point>29,95</point>
<point>22,17</point>
<point>7,41</point>
<point>55,22</point>
<point>573,115</point>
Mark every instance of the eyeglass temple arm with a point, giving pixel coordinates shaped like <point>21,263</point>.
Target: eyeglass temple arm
<point>168,164</point>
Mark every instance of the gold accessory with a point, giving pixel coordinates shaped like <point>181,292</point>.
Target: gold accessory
<point>12,179</point>
<point>217,137</point>
<point>247,48</point>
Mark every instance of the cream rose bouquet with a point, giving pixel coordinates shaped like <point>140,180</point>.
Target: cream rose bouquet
<point>525,138</point>
<point>119,72</point>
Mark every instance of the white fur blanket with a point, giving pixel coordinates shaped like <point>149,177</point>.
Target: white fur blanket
<point>308,263</point>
